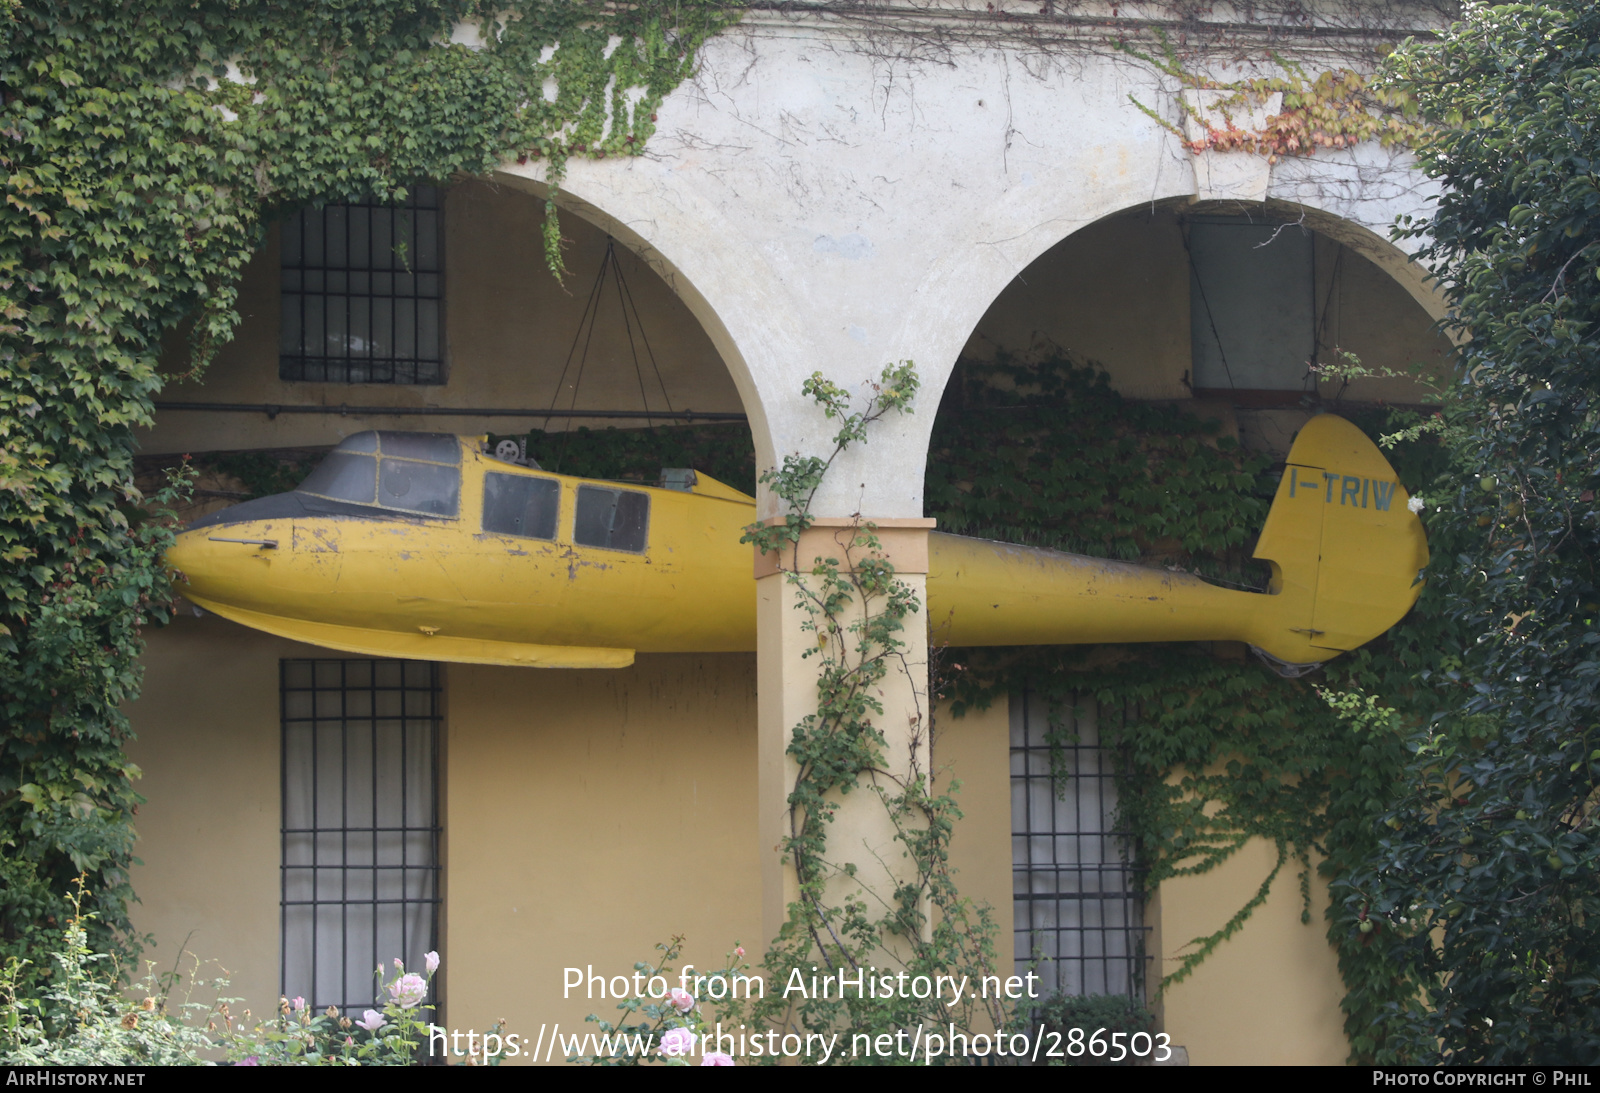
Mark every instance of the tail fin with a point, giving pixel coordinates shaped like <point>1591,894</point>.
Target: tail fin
<point>1345,548</point>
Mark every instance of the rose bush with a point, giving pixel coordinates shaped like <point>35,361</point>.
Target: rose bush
<point>87,1019</point>
<point>408,991</point>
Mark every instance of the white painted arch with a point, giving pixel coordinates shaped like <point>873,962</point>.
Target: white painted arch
<point>817,213</point>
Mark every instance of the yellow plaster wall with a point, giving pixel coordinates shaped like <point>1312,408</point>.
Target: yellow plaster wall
<point>1270,994</point>
<point>589,815</point>
<point>976,750</point>
<point>593,814</point>
<point>209,744</point>
<point>509,325</point>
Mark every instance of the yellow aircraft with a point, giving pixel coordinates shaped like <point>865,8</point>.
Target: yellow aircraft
<point>425,546</point>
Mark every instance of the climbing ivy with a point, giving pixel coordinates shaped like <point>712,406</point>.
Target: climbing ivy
<point>859,611</point>
<point>1336,108</point>
<point>1216,749</point>
<point>1044,452</point>
<point>143,147</point>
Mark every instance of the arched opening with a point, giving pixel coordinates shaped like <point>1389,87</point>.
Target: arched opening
<point>1252,315</point>
<point>443,320</point>
<point>1129,395</point>
<point>315,811</point>
<point>1233,307</point>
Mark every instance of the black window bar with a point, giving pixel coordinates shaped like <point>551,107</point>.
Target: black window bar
<point>363,292</point>
<point>1078,915</point>
<point>360,831</point>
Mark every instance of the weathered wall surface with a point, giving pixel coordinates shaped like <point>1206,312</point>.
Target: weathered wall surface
<point>824,200</point>
<point>590,815</point>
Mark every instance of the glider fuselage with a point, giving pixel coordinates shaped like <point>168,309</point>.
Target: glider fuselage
<point>424,546</point>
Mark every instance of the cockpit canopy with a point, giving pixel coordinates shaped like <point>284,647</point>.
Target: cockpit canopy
<point>404,472</point>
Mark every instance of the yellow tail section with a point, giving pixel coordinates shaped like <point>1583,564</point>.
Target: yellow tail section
<point>1343,543</point>
<point>1345,551</point>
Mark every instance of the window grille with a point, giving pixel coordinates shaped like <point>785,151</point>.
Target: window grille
<point>1075,896</point>
<point>363,292</point>
<point>361,882</point>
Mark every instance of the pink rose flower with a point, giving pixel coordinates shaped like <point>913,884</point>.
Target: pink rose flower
<point>677,1041</point>
<point>431,962</point>
<point>681,999</point>
<point>716,1058</point>
<point>408,991</point>
<point>371,1020</point>
<point>738,950</point>
<point>298,1004</point>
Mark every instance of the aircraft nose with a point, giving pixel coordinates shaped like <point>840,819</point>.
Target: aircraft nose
<point>204,559</point>
<point>184,553</point>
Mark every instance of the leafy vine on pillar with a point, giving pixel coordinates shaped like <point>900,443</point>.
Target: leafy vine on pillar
<point>858,609</point>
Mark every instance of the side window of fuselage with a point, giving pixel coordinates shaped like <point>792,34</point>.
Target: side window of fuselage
<point>515,504</point>
<point>612,519</point>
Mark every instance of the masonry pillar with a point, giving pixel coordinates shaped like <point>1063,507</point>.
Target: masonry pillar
<point>861,832</point>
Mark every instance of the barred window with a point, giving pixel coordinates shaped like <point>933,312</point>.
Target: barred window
<point>1075,899</point>
<point>361,883</point>
<point>363,292</point>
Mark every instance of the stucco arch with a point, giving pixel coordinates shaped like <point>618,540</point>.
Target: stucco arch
<point>1375,248</point>
<point>1355,196</point>
<point>1327,209</point>
<point>765,327</point>
<point>812,221</point>
<point>757,320</point>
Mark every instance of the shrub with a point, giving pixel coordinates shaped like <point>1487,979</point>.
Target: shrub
<point>1106,1014</point>
<point>86,1019</point>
